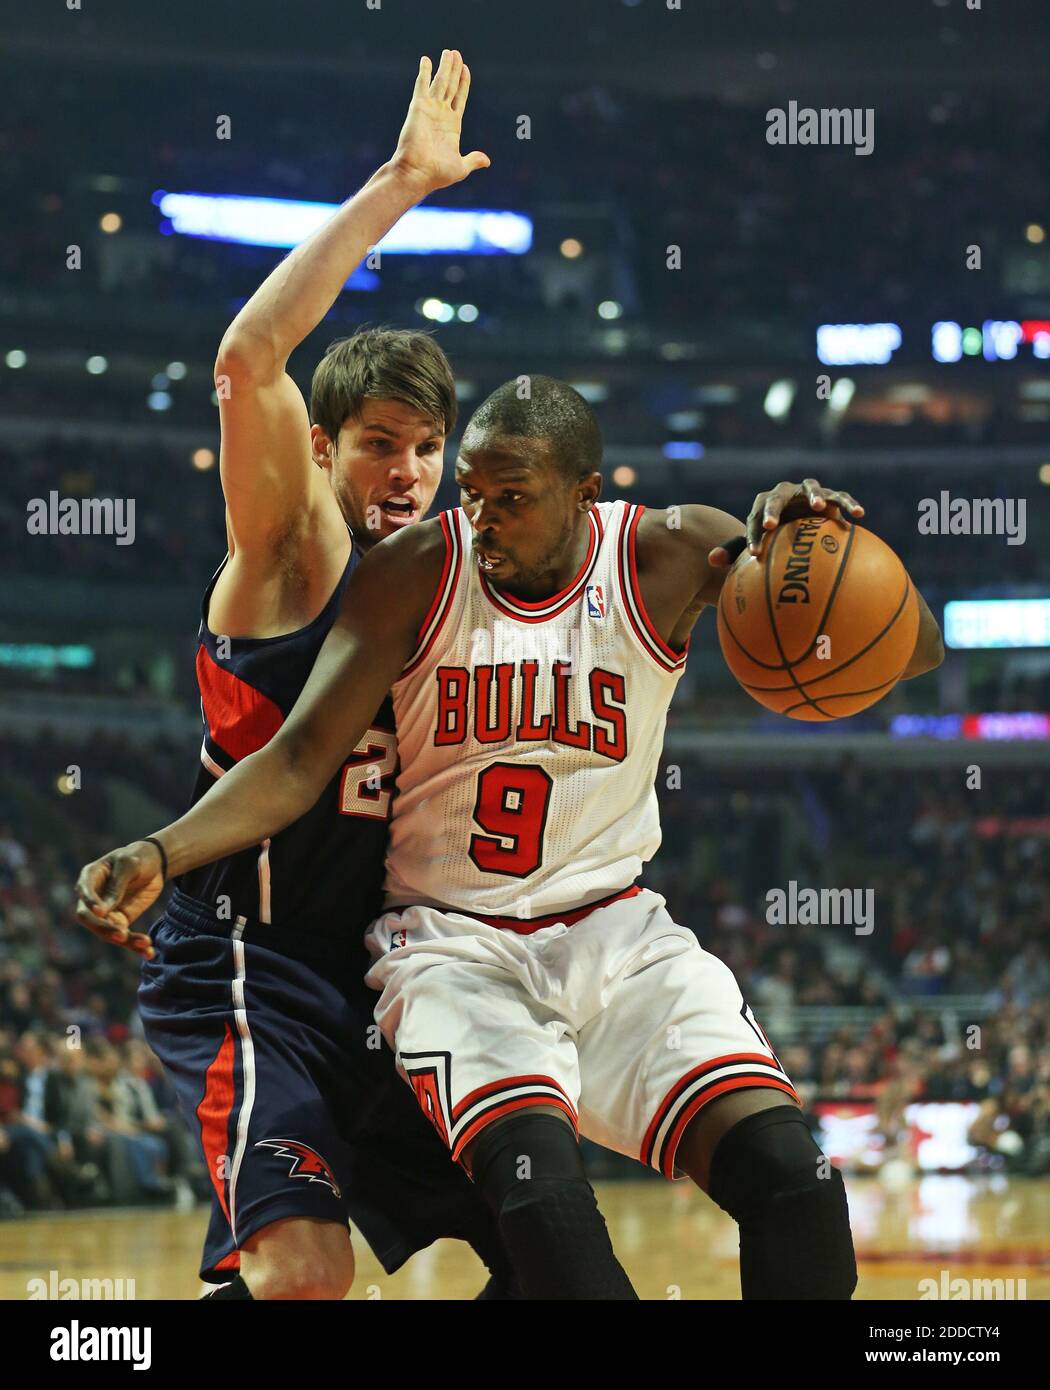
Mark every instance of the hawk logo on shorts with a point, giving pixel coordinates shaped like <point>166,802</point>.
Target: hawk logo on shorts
<point>595,601</point>
<point>306,1162</point>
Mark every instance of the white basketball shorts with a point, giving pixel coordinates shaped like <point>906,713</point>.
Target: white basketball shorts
<point>620,1019</point>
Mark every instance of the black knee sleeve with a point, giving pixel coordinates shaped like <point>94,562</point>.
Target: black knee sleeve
<point>485,1241</point>
<point>790,1204</point>
<point>528,1168</point>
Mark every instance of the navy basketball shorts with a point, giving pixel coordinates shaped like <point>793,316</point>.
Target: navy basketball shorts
<point>281,1072</point>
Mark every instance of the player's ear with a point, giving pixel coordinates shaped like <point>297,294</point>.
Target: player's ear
<point>588,490</point>
<point>322,448</point>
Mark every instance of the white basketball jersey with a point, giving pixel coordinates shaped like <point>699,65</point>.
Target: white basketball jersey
<point>529,735</point>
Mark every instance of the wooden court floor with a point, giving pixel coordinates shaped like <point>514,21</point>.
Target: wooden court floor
<point>673,1242</point>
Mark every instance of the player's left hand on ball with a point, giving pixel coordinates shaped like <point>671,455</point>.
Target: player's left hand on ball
<point>428,147</point>
<point>789,500</point>
<point>115,890</point>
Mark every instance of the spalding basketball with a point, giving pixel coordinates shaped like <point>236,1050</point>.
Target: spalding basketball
<point>822,622</point>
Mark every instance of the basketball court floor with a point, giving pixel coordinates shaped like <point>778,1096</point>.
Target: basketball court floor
<point>673,1242</point>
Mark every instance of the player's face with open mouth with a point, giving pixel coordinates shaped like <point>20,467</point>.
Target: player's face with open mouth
<point>387,467</point>
<point>522,512</point>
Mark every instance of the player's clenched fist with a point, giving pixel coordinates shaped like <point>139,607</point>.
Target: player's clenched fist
<point>428,148</point>
<point>115,891</point>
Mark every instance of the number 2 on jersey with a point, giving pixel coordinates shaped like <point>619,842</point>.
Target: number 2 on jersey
<point>512,806</point>
<point>364,789</point>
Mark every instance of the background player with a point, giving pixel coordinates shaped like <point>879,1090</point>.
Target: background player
<point>252,990</point>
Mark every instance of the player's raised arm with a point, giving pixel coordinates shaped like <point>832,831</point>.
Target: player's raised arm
<point>383,609</point>
<point>266,462</point>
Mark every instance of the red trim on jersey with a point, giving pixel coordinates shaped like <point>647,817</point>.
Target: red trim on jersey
<point>213,1113</point>
<point>240,719</point>
<point>729,1083</point>
<point>732,1083</point>
<point>442,596</point>
<point>560,1102</point>
<point>529,610</point>
<point>230,1261</point>
<point>525,927</point>
<point>522,1103</point>
<point>636,589</point>
<point>492,1087</point>
<point>650,640</point>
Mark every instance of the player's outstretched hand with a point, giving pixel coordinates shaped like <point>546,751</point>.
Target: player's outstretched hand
<point>115,891</point>
<point>428,147</point>
<point>783,503</point>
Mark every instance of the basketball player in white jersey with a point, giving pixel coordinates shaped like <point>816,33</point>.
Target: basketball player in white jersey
<point>533,639</point>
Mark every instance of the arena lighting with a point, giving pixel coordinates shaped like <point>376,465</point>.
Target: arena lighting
<point>593,392</point>
<point>95,366</point>
<point>976,624</point>
<point>1000,338</point>
<point>1035,233</point>
<point>778,400</point>
<point>158,400</point>
<point>15,358</point>
<point>717,393</point>
<point>467,313</point>
<point>683,449</point>
<point>41,656</point>
<point>437,311</point>
<point>285,222</point>
<point>571,248</point>
<point>997,340</point>
<point>1012,725</point>
<point>946,341</point>
<point>855,344</point>
<point>609,309</point>
<point>624,475</point>
<point>176,370</point>
<point>841,394</point>
<point>202,459</point>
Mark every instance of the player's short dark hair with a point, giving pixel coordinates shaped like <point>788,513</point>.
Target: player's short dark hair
<point>540,407</point>
<point>391,364</point>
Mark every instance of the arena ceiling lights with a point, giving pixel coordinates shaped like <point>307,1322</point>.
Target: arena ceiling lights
<point>973,624</point>
<point>285,222</point>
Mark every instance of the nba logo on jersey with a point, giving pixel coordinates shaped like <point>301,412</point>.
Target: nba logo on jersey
<point>595,601</point>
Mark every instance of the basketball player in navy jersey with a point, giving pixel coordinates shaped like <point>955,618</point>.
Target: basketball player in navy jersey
<point>252,989</point>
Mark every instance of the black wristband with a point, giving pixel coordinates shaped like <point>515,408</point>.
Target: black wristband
<point>152,840</point>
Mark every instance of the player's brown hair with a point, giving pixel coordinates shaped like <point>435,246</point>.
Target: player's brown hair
<point>392,364</point>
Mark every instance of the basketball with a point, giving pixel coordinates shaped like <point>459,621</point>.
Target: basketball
<point>821,623</point>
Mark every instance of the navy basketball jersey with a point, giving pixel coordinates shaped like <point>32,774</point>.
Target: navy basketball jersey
<point>323,873</point>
